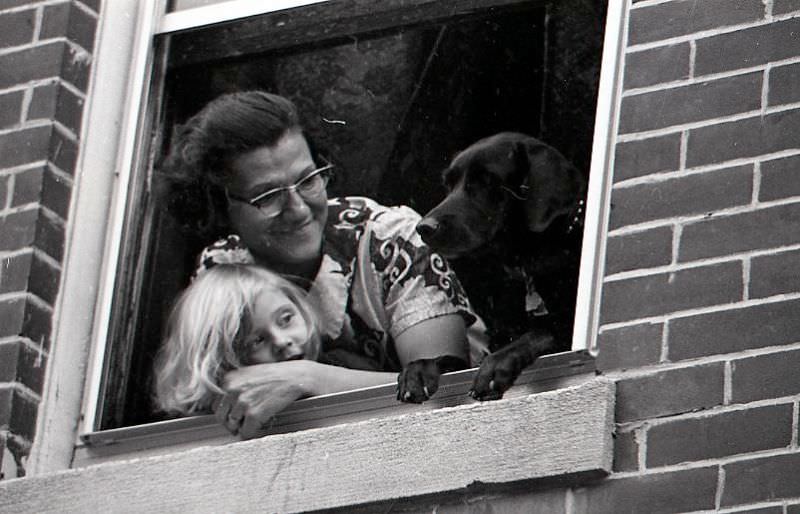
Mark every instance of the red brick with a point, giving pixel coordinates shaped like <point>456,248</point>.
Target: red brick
<point>12,316</point>
<point>17,27</point>
<point>75,67</point>
<point>670,392</point>
<point>765,376</point>
<point>734,330</point>
<point>20,363</point>
<point>679,491</point>
<point>27,186</point>
<point>10,109</point>
<point>63,152</point>
<point>18,230</point>
<point>695,102</point>
<point>626,452</point>
<point>37,324</point>
<point>748,47</point>
<point>56,102</point>
<point>56,193</point>
<point>785,6</point>
<point>780,178</point>
<point>4,183</point>
<point>66,20</point>
<point>44,280</point>
<point>749,137</point>
<point>692,194</point>
<point>774,274</point>
<point>629,347</point>
<point>35,63</point>
<point>684,17</point>
<point>656,66</point>
<point>639,250</point>
<point>18,413</point>
<point>638,158</point>
<point>793,509</point>
<point>721,435</point>
<point>14,272</point>
<point>50,237</point>
<point>725,235</point>
<point>784,84</point>
<point>764,479</point>
<point>24,146</point>
<point>663,293</point>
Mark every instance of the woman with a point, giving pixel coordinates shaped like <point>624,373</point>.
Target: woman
<point>242,167</point>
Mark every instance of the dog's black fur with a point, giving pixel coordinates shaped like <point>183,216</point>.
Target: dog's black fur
<point>513,217</point>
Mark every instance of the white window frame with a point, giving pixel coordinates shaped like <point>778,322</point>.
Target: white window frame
<point>118,90</point>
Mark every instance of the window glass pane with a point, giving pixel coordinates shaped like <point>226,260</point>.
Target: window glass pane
<point>389,105</point>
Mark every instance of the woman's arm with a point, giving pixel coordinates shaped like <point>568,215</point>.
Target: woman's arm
<point>255,394</point>
<point>432,338</point>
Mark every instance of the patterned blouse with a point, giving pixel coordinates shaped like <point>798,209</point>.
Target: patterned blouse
<point>376,279</point>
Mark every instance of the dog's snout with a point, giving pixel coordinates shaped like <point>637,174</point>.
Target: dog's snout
<point>427,228</point>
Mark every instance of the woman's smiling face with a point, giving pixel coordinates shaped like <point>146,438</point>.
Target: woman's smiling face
<point>291,241</point>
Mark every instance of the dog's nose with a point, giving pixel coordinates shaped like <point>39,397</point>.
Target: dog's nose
<point>427,228</point>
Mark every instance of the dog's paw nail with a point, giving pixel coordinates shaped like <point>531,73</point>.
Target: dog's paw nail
<point>425,390</point>
<point>492,385</point>
<point>407,396</point>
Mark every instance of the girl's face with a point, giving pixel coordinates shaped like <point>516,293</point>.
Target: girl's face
<point>278,331</point>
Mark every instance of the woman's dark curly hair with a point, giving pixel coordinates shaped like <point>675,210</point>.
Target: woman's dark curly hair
<point>197,166</point>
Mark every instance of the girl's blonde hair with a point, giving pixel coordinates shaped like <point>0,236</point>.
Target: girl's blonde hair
<point>205,329</point>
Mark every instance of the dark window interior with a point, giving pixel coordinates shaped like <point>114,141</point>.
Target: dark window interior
<point>389,104</point>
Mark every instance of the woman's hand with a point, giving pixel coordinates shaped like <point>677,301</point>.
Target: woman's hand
<point>255,394</point>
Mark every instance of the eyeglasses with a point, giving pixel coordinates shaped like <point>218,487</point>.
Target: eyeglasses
<point>271,202</point>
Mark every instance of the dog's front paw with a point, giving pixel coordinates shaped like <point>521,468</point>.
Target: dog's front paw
<point>495,376</point>
<point>418,381</point>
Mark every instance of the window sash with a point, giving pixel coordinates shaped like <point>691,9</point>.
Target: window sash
<point>153,21</point>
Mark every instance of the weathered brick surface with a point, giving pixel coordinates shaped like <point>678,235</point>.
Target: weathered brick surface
<point>66,20</point>
<point>55,102</point>
<point>720,435</point>
<point>734,330</point>
<point>652,493</point>
<point>63,151</point>
<point>4,185</point>
<point>44,280</point>
<point>692,194</point>
<point>748,47</point>
<point>656,66</point>
<point>50,237</point>
<point>785,6</point>
<point>17,413</point>
<point>31,64</point>
<point>683,17</point>
<point>20,363</point>
<point>27,186</point>
<point>663,293</point>
<point>626,452</point>
<point>10,108</point>
<point>670,392</point>
<point>639,250</point>
<point>749,137</point>
<point>643,157</point>
<point>793,509</point>
<point>780,178</point>
<point>14,272</point>
<point>784,85</point>
<point>772,227</point>
<point>37,324</point>
<point>629,347</point>
<point>774,274</point>
<point>17,27</point>
<point>24,146</point>
<point>767,478</point>
<point>765,376</point>
<point>56,193</point>
<point>12,316</point>
<point>75,66</point>
<point>695,102</point>
<point>18,230</point>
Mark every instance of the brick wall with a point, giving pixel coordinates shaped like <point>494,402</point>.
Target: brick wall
<point>701,300</point>
<point>45,56</point>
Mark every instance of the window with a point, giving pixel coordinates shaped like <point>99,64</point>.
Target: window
<point>391,89</point>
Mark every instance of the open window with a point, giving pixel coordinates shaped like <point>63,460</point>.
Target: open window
<point>388,89</point>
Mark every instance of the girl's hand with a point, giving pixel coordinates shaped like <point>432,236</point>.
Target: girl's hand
<point>255,394</point>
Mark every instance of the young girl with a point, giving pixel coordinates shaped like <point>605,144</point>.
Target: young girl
<point>232,315</point>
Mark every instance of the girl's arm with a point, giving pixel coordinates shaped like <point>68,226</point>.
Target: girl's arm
<point>255,394</point>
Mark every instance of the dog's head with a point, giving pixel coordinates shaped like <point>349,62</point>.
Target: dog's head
<point>498,175</point>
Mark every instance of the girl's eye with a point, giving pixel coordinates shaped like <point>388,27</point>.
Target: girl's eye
<point>285,318</point>
<point>259,341</point>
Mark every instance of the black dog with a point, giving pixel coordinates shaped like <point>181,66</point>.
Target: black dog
<point>512,221</point>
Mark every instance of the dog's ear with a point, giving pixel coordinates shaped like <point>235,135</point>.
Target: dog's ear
<point>553,184</point>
